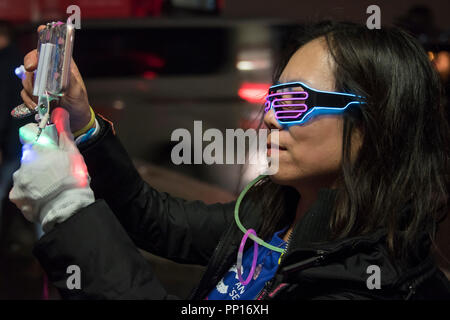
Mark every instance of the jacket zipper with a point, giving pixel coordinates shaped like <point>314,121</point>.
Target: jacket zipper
<point>269,283</point>
<point>269,288</point>
<point>412,291</point>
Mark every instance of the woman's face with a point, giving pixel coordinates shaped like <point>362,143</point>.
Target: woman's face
<point>309,154</point>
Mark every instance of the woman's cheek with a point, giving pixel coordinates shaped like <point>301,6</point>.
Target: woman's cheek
<point>308,161</point>
<point>291,167</point>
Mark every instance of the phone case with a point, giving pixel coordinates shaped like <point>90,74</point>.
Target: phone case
<point>55,46</point>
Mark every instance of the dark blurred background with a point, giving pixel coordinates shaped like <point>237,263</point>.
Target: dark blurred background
<point>154,66</point>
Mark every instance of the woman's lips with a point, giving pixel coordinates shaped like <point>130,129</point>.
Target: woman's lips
<point>274,146</point>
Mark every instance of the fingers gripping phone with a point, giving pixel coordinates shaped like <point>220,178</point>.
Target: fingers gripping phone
<point>55,45</point>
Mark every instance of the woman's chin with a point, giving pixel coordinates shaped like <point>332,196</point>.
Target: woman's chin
<point>282,178</point>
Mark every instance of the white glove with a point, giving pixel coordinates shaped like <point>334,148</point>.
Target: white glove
<point>52,182</point>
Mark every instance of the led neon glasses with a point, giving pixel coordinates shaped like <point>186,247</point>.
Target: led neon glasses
<point>294,103</point>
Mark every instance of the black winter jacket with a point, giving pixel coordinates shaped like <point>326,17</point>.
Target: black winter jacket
<point>102,238</point>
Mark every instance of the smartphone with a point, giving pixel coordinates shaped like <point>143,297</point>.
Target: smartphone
<point>55,45</point>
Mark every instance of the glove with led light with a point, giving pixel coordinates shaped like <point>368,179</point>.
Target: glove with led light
<point>52,182</point>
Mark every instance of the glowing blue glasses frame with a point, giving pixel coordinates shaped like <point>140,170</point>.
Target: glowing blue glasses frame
<point>330,97</point>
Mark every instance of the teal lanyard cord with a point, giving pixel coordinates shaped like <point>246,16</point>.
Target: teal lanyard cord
<point>239,224</point>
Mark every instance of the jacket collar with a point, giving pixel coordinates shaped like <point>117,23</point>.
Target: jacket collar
<point>314,225</point>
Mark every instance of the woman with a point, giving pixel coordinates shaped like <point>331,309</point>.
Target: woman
<point>350,214</point>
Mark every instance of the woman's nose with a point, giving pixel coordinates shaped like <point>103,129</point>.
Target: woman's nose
<point>271,121</point>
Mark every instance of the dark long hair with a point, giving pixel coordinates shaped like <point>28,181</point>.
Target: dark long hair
<point>399,180</point>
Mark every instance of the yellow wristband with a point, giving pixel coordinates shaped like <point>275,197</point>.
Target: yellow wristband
<point>86,127</point>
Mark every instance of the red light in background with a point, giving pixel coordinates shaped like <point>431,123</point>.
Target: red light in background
<point>149,75</point>
<point>148,59</point>
<point>220,4</point>
<point>253,92</point>
<point>144,8</point>
<point>154,61</point>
